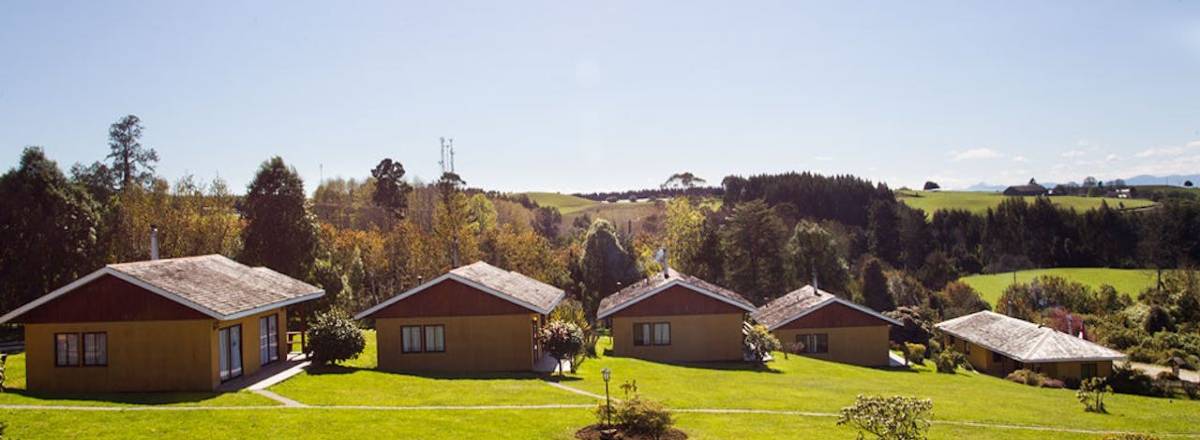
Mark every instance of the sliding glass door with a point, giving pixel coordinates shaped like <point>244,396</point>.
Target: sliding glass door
<point>229,347</point>
<point>268,339</point>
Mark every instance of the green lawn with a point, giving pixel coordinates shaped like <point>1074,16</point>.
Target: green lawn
<point>979,202</point>
<point>357,383</point>
<point>1127,281</point>
<point>565,203</point>
<point>15,394</point>
<point>804,384</point>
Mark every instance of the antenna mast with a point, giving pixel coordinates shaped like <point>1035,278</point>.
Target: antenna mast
<point>447,152</point>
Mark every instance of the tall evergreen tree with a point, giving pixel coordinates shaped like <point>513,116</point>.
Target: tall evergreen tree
<point>883,231</point>
<point>391,191</point>
<point>279,233</point>
<point>604,267</point>
<point>812,255</point>
<point>132,162</point>
<point>874,286</point>
<point>47,230</point>
<point>753,242</point>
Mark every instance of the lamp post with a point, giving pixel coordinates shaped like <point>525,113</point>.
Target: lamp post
<point>607,374</point>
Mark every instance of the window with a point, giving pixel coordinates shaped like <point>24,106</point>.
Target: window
<point>435,338</point>
<point>412,339</point>
<point>423,339</point>
<point>66,350</point>
<point>268,339</point>
<point>813,343</point>
<point>1087,370</point>
<point>95,349</point>
<point>229,355</point>
<point>658,333</point>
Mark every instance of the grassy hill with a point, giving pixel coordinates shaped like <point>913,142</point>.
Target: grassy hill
<point>565,203</point>
<point>1127,281</point>
<point>979,202</point>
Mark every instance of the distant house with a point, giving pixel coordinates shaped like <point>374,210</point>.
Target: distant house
<point>1029,189</point>
<point>816,323</point>
<point>676,318</point>
<point>997,344</point>
<point>474,318</point>
<point>182,324</point>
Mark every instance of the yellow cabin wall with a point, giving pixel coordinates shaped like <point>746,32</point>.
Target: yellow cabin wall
<point>866,345</point>
<point>143,355</point>
<point>473,343</point>
<point>694,338</point>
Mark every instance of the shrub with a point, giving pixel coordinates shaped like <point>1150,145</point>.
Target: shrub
<point>1091,394</point>
<point>3,373</point>
<point>561,340</point>
<point>914,354</point>
<point>1128,380</point>
<point>636,415</point>
<point>1027,377</point>
<point>333,338</point>
<point>761,342</point>
<point>949,360</point>
<point>1130,436</point>
<point>888,418</point>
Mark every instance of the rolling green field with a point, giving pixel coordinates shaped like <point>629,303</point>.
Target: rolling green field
<point>793,398</point>
<point>565,203</point>
<point>979,202</point>
<point>1127,281</point>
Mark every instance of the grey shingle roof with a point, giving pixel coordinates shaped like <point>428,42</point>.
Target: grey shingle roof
<point>513,284</point>
<point>803,301</point>
<point>1024,341</point>
<point>218,283</point>
<point>659,281</point>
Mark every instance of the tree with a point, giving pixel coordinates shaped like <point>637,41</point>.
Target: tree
<point>883,231</point>
<point>132,163</point>
<point>391,191</point>
<point>761,343</point>
<point>279,233</point>
<point>47,230</point>
<point>888,418</point>
<point>812,256</point>
<point>334,338</point>
<point>561,340</point>
<point>684,229</point>
<point>1188,183</point>
<point>605,267</point>
<point>931,185</point>
<point>546,220</point>
<point>875,286</point>
<point>98,179</point>
<point>685,180</point>
<point>1091,394</point>
<point>960,299</point>
<point>916,327</point>
<point>753,243</point>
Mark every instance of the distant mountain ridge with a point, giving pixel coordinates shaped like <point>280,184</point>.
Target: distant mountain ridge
<point>1140,180</point>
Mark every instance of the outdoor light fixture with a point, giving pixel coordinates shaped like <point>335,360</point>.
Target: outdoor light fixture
<point>607,374</point>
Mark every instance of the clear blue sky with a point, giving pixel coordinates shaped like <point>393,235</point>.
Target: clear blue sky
<point>602,95</point>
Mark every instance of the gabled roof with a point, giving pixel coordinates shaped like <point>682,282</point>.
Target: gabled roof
<point>510,286</point>
<point>803,301</point>
<point>659,282</point>
<point>211,284</point>
<point>1024,341</point>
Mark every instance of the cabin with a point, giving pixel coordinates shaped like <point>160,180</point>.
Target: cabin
<point>1030,189</point>
<point>998,345</point>
<point>181,324</point>
<point>674,317</point>
<point>475,318</point>
<point>815,323</point>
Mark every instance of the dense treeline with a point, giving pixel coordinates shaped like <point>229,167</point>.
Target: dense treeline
<point>651,193</point>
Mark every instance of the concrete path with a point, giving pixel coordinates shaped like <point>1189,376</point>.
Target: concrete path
<point>268,375</point>
<point>1153,370</point>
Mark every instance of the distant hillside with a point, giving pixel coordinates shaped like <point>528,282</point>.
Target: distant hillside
<point>565,203</point>
<point>979,202</point>
<point>1172,180</point>
<point>1127,281</point>
<point>985,187</point>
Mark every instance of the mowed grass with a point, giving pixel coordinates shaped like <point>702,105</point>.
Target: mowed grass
<point>565,203</point>
<point>356,382</point>
<point>556,424</point>
<point>979,202</point>
<point>803,384</point>
<point>16,394</point>
<point>1127,281</point>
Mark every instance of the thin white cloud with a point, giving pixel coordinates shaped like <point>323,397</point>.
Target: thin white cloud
<point>974,154</point>
<point>1112,157</point>
<point>1073,153</point>
<point>1020,159</point>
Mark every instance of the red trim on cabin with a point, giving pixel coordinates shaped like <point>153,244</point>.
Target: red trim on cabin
<point>678,300</point>
<point>450,298</point>
<point>835,315</point>
<point>109,299</point>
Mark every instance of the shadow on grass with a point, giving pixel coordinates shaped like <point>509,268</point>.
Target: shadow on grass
<point>715,365</point>
<point>101,399</point>
<point>440,375</point>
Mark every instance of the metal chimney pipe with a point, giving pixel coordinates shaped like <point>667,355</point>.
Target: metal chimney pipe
<point>153,242</point>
